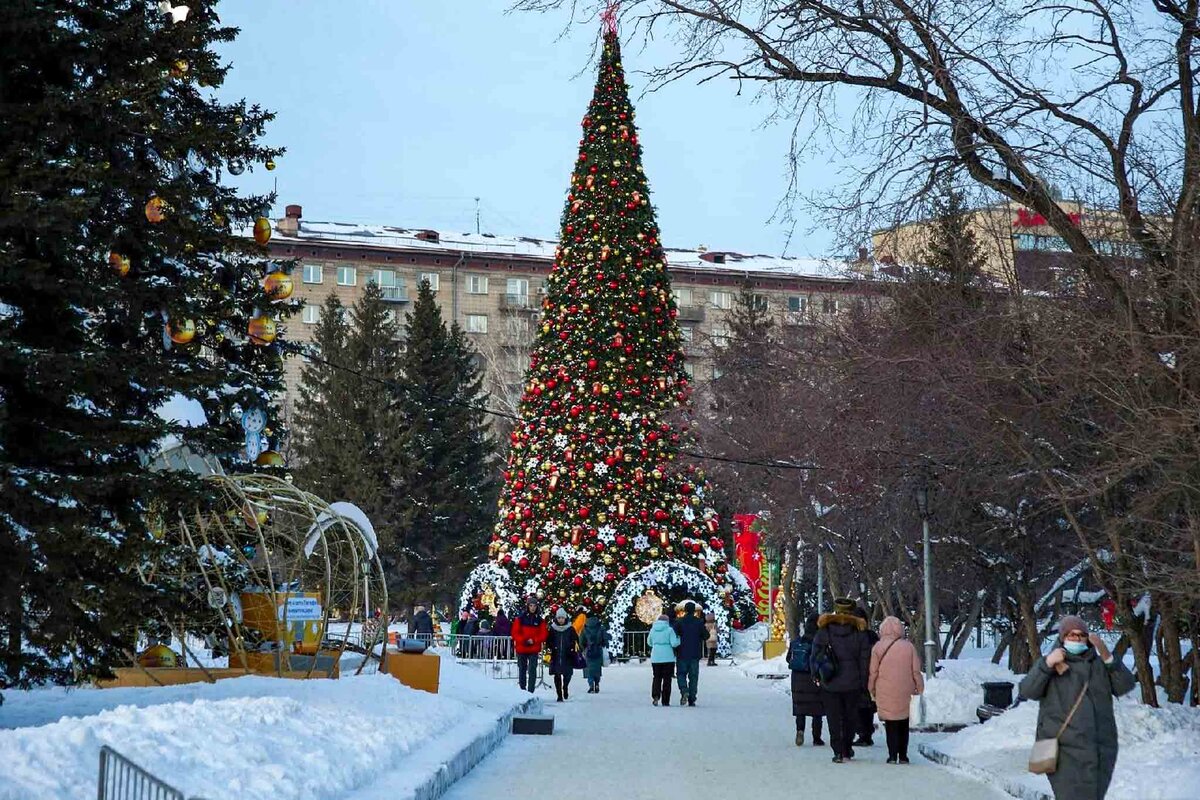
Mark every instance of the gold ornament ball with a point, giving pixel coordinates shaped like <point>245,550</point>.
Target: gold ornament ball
<point>278,285</point>
<point>181,331</point>
<point>262,330</point>
<point>262,230</point>
<point>269,458</point>
<point>156,210</point>
<point>119,263</point>
<point>180,68</point>
<point>270,164</point>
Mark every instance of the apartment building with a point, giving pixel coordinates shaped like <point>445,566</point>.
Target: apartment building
<point>492,286</point>
<point>1016,244</point>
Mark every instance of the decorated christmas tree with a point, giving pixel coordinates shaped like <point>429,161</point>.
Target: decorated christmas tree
<point>596,509</point>
<point>135,319</point>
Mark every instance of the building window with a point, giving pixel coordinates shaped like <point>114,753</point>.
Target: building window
<point>477,323</point>
<point>390,316</point>
<point>346,276</point>
<point>689,370</point>
<point>311,314</point>
<point>683,297</point>
<point>717,372</point>
<point>391,284</point>
<point>685,333</point>
<point>798,304</point>
<point>312,273</point>
<point>516,292</point>
<point>829,305</point>
<point>477,284</point>
<point>431,278</point>
<point>759,301</point>
<point>720,331</point>
<point>722,300</point>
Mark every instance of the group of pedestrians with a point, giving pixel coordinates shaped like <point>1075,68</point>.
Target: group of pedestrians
<point>676,649</point>
<point>844,673</point>
<point>573,645</point>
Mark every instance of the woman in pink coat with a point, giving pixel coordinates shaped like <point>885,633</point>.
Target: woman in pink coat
<point>894,679</point>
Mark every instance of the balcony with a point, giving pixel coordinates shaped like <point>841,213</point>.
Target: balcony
<point>691,313</point>
<point>518,302</point>
<point>394,294</point>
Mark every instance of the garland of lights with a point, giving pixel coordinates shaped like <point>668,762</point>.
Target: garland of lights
<point>662,577</point>
<point>491,575</point>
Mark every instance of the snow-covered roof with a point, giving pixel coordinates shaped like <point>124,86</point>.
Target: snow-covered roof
<point>386,236</point>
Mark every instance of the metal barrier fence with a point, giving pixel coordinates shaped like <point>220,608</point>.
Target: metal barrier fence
<point>121,779</point>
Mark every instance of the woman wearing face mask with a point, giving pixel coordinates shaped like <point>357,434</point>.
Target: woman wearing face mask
<point>1079,670</point>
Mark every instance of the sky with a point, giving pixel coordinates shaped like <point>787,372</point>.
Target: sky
<point>402,112</point>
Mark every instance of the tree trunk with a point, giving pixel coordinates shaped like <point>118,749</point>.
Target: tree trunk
<point>1170,655</point>
<point>972,621</point>
<point>1135,631</point>
<point>1005,639</point>
<point>1027,625</point>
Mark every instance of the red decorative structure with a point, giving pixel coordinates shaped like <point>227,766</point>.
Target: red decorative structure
<point>609,17</point>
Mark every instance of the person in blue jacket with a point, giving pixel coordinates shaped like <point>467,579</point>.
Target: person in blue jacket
<point>662,640</point>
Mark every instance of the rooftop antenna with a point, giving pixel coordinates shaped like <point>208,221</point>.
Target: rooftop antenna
<point>477,215</point>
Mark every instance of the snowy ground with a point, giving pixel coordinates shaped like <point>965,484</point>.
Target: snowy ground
<point>249,737</point>
<point>737,741</point>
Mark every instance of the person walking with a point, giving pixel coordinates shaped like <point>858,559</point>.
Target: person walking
<point>502,630</point>
<point>894,679</point>
<point>840,664</point>
<point>592,643</point>
<point>528,634</point>
<point>710,625</point>
<point>806,695</point>
<point>1079,674</point>
<point>564,648</point>
<point>866,706</point>
<point>692,635</point>
<point>468,629</point>
<point>421,625</point>
<point>662,641</point>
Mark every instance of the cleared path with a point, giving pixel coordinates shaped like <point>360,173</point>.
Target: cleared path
<point>736,743</point>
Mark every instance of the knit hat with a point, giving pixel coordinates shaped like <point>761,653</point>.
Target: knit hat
<point>664,617</point>
<point>560,614</point>
<point>1071,623</point>
<point>844,605</point>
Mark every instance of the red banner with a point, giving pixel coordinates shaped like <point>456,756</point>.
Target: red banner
<point>751,561</point>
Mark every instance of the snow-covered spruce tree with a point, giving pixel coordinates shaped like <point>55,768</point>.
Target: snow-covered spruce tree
<point>592,492</point>
<point>347,417</point>
<point>122,284</point>
<point>446,491</point>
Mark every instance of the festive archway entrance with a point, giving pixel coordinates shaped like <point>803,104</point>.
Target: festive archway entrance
<point>663,576</point>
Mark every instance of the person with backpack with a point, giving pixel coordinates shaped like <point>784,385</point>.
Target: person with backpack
<point>692,635</point>
<point>840,664</point>
<point>1075,685</point>
<point>528,634</point>
<point>806,696</point>
<point>593,642</point>
<point>894,679</point>
<point>662,641</point>
<point>564,649</point>
<point>866,705</point>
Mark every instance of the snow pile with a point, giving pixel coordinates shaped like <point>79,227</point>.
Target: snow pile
<point>753,666</point>
<point>1159,758</point>
<point>954,694</point>
<point>243,737</point>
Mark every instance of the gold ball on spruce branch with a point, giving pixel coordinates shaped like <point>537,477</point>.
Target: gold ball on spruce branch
<point>119,263</point>
<point>181,331</point>
<point>262,230</point>
<point>262,330</point>
<point>278,285</point>
<point>269,458</point>
<point>270,165</point>
<point>156,210</point>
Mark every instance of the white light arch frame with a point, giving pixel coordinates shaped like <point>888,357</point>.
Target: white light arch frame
<point>490,574</point>
<point>667,575</point>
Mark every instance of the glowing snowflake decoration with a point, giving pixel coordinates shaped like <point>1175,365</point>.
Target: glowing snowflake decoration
<point>531,587</point>
<point>531,465</point>
<point>561,441</point>
<point>606,533</point>
<point>550,527</point>
<point>641,541</point>
<point>598,572</point>
<point>689,514</point>
<point>568,553</point>
<point>518,553</point>
<point>601,468</point>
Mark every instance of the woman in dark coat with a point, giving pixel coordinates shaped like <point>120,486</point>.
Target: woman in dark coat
<point>593,642</point>
<point>806,695</point>
<point>1087,749</point>
<point>564,646</point>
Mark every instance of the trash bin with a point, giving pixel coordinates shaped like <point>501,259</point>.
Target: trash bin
<point>998,694</point>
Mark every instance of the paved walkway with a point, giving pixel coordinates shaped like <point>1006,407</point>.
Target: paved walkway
<point>736,744</point>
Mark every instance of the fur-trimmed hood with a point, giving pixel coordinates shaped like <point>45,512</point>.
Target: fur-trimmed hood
<point>851,620</point>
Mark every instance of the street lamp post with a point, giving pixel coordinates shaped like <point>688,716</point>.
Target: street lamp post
<point>930,642</point>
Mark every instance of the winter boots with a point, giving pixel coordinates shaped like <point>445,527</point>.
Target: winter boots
<point>799,738</point>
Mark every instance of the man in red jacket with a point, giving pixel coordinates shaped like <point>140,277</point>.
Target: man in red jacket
<point>528,634</point>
